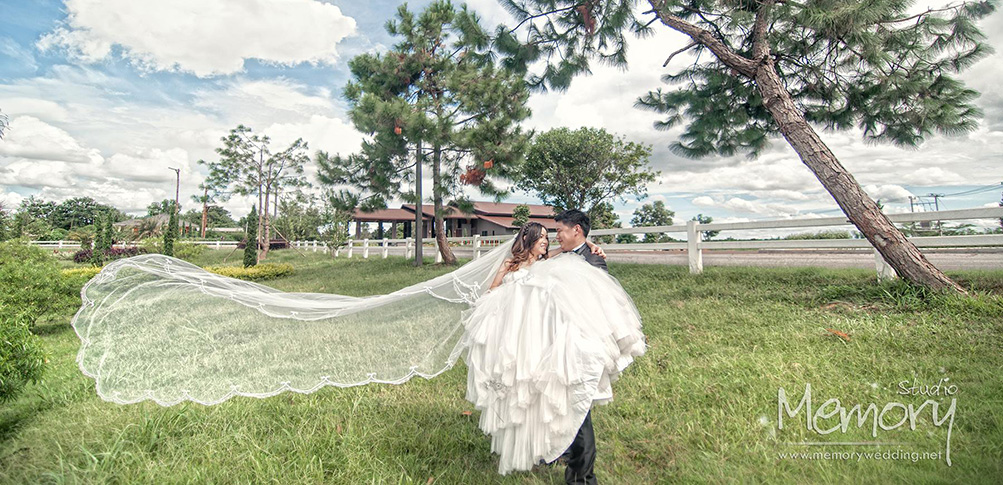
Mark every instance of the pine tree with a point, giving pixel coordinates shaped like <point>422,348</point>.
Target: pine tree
<point>97,252</point>
<point>520,216</point>
<point>109,232</point>
<point>774,68</point>
<point>171,234</point>
<point>437,97</point>
<point>251,246</point>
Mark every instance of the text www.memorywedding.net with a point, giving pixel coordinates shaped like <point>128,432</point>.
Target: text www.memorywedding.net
<point>891,416</point>
<point>888,455</point>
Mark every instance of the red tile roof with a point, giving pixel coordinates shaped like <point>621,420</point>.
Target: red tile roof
<point>386,215</point>
<point>506,209</point>
<point>506,222</point>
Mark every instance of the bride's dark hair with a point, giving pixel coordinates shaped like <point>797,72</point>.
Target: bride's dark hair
<point>528,236</point>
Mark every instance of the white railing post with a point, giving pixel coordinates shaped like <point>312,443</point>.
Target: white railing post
<point>407,249</point>
<point>438,252</point>
<point>365,248</point>
<point>337,251</point>
<point>315,245</point>
<point>693,250</point>
<point>60,244</point>
<point>885,271</point>
<point>350,248</point>
<point>386,248</point>
<point>477,246</point>
<point>326,249</point>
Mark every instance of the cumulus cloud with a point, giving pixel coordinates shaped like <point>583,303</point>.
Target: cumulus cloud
<point>888,193</point>
<point>35,139</point>
<point>204,38</point>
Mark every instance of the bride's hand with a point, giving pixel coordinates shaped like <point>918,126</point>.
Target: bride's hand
<point>596,249</point>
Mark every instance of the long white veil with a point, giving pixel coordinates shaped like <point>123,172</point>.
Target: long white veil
<point>158,328</point>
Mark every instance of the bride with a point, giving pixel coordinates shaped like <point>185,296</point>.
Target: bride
<point>544,345</point>
<point>543,338</point>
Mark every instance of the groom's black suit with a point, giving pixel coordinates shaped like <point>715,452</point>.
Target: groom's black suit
<point>582,453</point>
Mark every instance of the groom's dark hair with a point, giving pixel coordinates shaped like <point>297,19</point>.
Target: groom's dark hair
<point>574,217</point>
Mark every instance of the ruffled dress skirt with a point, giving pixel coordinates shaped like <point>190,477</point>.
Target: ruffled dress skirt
<point>541,349</point>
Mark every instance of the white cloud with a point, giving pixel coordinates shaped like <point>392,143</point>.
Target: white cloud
<point>204,38</point>
<point>888,193</point>
<point>33,138</point>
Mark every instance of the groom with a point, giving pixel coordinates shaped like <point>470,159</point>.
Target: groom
<point>572,229</point>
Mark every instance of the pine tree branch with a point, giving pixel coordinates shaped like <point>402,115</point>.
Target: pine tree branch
<point>542,14</point>
<point>680,51</point>
<point>922,14</point>
<point>704,37</point>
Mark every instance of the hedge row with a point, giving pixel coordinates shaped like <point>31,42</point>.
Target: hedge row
<point>262,271</point>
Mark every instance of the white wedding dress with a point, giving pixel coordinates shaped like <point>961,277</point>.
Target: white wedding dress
<point>541,349</point>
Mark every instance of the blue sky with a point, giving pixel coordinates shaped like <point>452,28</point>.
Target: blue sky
<point>104,95</point>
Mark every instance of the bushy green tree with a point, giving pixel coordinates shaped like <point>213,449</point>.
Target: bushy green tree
<point>702,219</point>
<point>774,68</point>
<point>251,246</point>
<point>29,280</point>
<point>654,214</point>
<point>21,355</point>
<point>579,169</point>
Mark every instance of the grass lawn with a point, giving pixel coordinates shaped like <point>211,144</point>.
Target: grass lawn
<point>700,406</point>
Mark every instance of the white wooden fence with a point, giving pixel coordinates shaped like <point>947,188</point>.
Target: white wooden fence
<point>693,245</point>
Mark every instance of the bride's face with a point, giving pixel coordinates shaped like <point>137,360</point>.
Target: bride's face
<point>541,246</point>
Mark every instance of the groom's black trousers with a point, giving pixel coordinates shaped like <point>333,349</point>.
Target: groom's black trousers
<point>582,455</point>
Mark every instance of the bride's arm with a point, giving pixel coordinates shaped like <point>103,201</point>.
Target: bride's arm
<point>593,246</point>
<point>595,249</point>
<point>502,270</point>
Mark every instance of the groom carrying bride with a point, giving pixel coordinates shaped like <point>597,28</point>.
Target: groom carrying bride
<point>572,229</point>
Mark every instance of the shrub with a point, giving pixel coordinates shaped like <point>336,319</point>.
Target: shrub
<point>29,280</point>
<point>263,271</point>
<point>832,234</point>
<point>86,255</point>
<point>89,272</point>
<point>21,356</point>
<point>188,251</point>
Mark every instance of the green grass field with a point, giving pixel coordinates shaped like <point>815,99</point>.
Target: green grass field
<point>700,406</point>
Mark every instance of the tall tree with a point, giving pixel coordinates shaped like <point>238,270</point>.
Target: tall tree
<point>251,244</point>
<point>654,214</point>
<point>585,167</point>
<point>520,216</point>
<point>171,233</point>
<point>163,207</point>
<point>702,219</point>
<point>775,67</point>
<point>436,97</point>
<point>247,166</point>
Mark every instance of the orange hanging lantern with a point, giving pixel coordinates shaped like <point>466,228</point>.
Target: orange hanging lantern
<point>397,130</point>
<point>489,164</point>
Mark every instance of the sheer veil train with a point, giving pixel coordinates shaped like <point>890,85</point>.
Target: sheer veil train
<point>157,328</point>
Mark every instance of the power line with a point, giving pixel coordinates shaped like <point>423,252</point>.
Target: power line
<point>977,190</point>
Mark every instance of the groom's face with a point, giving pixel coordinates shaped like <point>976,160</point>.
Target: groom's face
<point>569,237</point>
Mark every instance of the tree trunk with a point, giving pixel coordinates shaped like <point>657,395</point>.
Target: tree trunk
<point>440,229</point>
<point>862,211</point>
<point>418,216</point>
<point>267,221</point>
<point>205,210</point>
<point>261,195</point>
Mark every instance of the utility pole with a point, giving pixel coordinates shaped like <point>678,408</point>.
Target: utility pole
<point>936,207</point>
<point>911,209</point>
<point>177,187</point>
